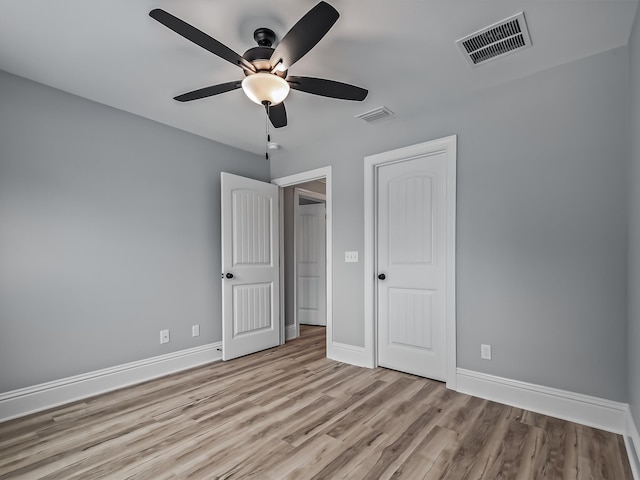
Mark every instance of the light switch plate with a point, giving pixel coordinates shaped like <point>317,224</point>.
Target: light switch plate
<point>485,352</point>
<point>351,257</point>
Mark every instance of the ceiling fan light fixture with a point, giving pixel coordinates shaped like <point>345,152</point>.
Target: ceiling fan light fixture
<point>266,82</point>
<point>264,87</point>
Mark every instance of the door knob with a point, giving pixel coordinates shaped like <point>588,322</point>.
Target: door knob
<point>229,275</point>
<point>382,276</point>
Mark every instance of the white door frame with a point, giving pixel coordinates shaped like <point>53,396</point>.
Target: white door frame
<point>297,194</point>
<point>445,145</point>
<point>303,177</point>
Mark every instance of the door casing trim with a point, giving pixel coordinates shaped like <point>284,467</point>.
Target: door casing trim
<point>371,165</point>
<point>295,179</point>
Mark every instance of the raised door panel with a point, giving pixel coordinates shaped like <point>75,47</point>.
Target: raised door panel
<point>251,218</point>
<point>410,220</point>
<point>251,308</point>
<point>412,314</point>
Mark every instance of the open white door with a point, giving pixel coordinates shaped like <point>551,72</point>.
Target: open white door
<point>250,263</point>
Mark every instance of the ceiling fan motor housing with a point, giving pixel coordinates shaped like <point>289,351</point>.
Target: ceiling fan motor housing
<point>259,57</point>
<point>265,37</point>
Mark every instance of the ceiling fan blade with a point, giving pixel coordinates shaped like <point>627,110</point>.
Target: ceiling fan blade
<point>304,35</point>
<point>327,88</point>
<point>200,38</point>
<point>277,115</point>
<point>208,91</point>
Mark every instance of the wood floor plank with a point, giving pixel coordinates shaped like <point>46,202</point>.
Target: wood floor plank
<point>367,437</point>
<point>425,455</point>
<point>389,458</point>
<point>291,413</point>
<point>304,461</point>
<point>320,420</point>
<point>494,445</point>
<point>505,453</point>
<point>367,409</point>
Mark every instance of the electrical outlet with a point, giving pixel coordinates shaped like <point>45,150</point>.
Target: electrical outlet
<point>351,257</point>
<point>164,336</point>
<point>195,330</point>
<point>485,352</point>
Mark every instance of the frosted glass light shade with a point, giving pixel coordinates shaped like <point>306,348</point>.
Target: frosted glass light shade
<point>265,87</point>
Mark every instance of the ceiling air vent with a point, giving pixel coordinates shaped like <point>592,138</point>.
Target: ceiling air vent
<point>497,40</point>
<point>375,114</point>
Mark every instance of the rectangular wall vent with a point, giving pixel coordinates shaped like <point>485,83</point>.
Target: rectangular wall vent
<point>375,114</point>
<point>497,40</point>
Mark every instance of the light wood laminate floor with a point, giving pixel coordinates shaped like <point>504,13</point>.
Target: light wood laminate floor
<point>290,413</point>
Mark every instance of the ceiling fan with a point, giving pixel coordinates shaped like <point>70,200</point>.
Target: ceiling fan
<point>266,81</point>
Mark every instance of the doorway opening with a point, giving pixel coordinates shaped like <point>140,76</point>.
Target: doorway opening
<point>304,256</point>
<point>305,252</point>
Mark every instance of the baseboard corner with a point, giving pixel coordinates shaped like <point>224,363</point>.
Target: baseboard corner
<point>350,354</point>
<point>290,332</point>
<point>632,443</point>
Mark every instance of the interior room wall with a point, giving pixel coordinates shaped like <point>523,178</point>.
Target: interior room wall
<point>634,228</point>
<point>109,232</point>
<point>541,221</point>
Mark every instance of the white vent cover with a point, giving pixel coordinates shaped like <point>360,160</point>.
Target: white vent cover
<point>497,40</point>
<point>375,114</point>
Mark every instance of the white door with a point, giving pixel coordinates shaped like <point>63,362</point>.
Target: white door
<point>311,265</point>
<point>411,265</point>
<point>250,251</point>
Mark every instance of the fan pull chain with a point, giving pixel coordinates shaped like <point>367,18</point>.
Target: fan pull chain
<point>266,147</point>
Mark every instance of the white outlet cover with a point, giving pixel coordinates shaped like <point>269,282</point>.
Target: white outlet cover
<point>195,330</point>
<point>485,352</point>
<point>164,336</point>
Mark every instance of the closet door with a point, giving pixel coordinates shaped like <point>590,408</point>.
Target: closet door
<point>411,265</point>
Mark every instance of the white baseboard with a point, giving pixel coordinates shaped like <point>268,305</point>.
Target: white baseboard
<point>24,401</point>
<point>575,407</point>
<point>290,332</point>
<point>632,442</point>
<point>344,353</point>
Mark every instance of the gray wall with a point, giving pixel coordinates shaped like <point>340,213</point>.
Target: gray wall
<point>109,232</point>
<point>634,228</point>
<point>541,219</point>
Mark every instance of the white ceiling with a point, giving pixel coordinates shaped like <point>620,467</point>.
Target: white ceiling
<point>402,51</point>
